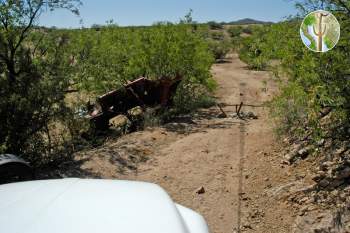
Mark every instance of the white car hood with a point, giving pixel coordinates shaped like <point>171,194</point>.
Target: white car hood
<point>92,206</point>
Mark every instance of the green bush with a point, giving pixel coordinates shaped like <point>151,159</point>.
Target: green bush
<point>251,52</point>
<point>314,91</point>
<point>108,58</point>
<point>189,97</point>
<point>34,77</point>
<point>217,35</point>
<point>215,25</point>
<point>235,31</point>
<point>219,49</point>
<point>247,30</point>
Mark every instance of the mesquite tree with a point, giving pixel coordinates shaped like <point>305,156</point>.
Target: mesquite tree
<point>32,82</point>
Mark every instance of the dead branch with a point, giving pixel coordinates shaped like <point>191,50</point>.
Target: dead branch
<point>244,105</point>
<point>239,109</point>
<point>222,110</point>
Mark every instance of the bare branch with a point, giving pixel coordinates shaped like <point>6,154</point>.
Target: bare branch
<point>37,45</point>
<point>4,23</point>
<point>29,25</point>
<point>343,5</point>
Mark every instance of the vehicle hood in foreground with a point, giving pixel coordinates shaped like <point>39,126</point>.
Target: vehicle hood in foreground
<point>90,206</point>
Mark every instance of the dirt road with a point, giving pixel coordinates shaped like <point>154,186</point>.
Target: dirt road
<point>201,151</point>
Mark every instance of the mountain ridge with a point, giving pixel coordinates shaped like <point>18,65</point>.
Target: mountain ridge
<point>247,21</point>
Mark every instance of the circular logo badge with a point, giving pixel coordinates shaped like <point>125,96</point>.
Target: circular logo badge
<point>320,31</point>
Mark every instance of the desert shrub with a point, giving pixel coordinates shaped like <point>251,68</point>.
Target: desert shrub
<point>289,109</point>
<point>247,30</point>
<point>237,43</point>
<point>112,56</point>
<point>215,25</point>
<point>189,97</point>
<point>314,87</point>
<point>235,31</point>
<point>321,79</point>
<point>34,77</point>
<point>217,35</point>
<point>251,53</point>
<point>220,49</point>
<point>261,46</point>
<point>172,51</point>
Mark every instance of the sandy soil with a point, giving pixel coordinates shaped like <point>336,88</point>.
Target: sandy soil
<point>235,161</point>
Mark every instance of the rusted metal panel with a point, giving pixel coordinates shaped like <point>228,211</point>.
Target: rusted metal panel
<point>140,92</point>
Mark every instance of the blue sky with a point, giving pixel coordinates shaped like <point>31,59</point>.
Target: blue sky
<point>146,12</point>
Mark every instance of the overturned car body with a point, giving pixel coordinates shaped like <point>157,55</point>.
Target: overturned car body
<point>140,92</point>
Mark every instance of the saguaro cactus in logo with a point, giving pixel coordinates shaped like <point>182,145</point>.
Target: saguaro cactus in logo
<point>320,31</point>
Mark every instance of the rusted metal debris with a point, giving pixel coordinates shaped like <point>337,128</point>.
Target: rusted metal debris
<point>140,92</point>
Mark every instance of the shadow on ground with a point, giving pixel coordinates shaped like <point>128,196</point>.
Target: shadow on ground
<point>71,168</point>
<point>199,122</point>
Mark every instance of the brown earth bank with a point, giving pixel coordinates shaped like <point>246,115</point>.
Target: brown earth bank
<point>226,168</point>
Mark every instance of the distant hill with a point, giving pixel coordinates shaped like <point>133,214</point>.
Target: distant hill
<point>247,21</point>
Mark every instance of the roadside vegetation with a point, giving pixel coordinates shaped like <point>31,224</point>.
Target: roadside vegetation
<point>47,75</point>
<point>315,88</point>
<point>311,112</point>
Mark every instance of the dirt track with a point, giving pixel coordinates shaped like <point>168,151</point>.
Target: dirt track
<point>219,154</point>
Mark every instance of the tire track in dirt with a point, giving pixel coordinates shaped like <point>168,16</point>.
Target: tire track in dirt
<point>241,160</point>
